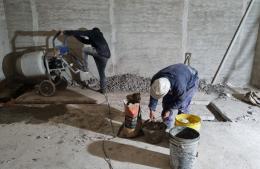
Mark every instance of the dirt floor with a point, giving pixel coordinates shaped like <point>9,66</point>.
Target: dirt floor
<point>79,136</point>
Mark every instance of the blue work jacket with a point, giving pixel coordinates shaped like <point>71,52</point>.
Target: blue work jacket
<point>182,79</point>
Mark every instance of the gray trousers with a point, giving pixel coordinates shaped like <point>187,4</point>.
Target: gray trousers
<point>100,61</point>
<point>185,106</point>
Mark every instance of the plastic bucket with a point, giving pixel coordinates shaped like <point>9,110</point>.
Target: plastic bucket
<point>183,147</point>
<point>188,120</point>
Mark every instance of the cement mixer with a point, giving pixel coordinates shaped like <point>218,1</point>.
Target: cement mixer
<point>48,69</point>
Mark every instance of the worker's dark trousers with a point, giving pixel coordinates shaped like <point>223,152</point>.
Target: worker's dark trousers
<point>184,106</point>
<point>101,63</point>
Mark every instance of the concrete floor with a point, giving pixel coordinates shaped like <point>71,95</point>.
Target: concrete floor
<point>72,136</point>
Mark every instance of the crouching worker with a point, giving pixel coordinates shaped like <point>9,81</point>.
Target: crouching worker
<point>176,85</point>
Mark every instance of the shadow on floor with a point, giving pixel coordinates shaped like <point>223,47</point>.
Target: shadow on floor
<point>93,117</point>
<point>127,153</point>
<point>34,115</point>
<point>86,116</point>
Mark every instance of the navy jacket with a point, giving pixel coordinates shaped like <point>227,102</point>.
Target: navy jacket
<point>95,39</point>
<point>182,78</point>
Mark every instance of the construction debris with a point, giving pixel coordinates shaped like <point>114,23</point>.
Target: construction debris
<point>210,88</point>
<point>252,97</point>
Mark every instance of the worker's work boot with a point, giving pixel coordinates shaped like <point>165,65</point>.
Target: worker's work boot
<point>102,91</point>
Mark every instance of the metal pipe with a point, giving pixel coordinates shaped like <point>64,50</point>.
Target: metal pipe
<point>231,44</point>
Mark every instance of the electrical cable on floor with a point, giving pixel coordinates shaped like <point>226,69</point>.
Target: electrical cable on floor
<point>108,105</point>
<point>107,158</point>
<point>109,114</point>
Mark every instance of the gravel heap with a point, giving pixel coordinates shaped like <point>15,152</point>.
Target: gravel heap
<point>209,88</point>
<point>135,83</point>
<point>128,83</point>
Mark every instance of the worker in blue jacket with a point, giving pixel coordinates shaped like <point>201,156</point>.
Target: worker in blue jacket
<point>176,85</point>
<point>99,50</point>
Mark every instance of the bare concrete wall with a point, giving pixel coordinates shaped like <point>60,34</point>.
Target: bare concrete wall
<point>211,26</point>
<point>146,35</point>
<point>4,41</point>
<point>19,18</point>
<point>239,66</point>
<point>256,67</point>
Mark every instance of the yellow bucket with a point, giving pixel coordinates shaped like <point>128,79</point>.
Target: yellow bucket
<point>188,120</point>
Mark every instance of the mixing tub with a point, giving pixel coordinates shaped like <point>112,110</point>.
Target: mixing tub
<point>188,120</point>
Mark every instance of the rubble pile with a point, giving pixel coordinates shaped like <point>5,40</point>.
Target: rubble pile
<point>210,88</point>
<point>128,83</point>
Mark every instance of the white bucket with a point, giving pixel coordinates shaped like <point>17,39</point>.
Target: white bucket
<point>183,147</point>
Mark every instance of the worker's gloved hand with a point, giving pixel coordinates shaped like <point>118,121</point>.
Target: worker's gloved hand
<point>181,112</point>
<point>152,115</point>
<point>67,32</point>
<point>64,32</point>
<point>165,114</point>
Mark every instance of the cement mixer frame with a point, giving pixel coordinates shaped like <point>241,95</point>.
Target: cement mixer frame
<point>57,73</point>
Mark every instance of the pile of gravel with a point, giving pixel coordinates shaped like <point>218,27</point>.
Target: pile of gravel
<point>209,88</point>
<point>128,83</point>
<point>135,83</point>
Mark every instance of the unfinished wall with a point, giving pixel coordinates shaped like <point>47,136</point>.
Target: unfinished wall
<point>239,66</point>
<point>211,26</point>
<point>4,41</point>
<point>19,18</point>
<point>146,35</point>
<point>256,67</point>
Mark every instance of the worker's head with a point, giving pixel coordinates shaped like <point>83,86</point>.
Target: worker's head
<point>96,29</point>
<point>160,87</point>
<point>83,29</point>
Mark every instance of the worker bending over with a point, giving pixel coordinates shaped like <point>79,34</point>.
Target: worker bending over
<point>99,50</point>
<point>176,84</point>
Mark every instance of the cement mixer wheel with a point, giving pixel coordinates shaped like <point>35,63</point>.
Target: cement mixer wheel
<point>47,88</point>
<point>61,83</point>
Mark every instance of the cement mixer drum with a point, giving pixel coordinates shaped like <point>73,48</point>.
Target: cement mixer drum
<point>31,64</point>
